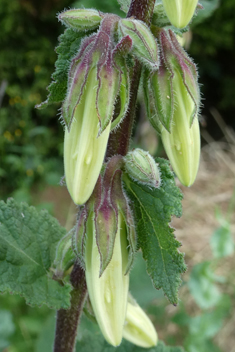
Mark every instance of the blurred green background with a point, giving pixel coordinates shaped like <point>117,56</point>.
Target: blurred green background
<point>31,166</point>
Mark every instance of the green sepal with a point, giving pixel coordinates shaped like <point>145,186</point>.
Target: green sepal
<point>124,97</point>
<point>65,256</point>
<point>144,44</point>
<point>161,84</point>
<point>149,102</point>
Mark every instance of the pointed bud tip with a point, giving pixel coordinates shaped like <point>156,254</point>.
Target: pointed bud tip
<point>138,328</point>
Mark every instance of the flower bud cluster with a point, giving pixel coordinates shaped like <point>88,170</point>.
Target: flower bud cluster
<point>98,77</point>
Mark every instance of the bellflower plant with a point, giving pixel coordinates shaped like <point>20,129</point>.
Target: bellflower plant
<point>125,197</point>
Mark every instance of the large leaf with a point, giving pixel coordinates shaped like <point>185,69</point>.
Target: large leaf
<point>153,209</point>
<point>95,342</point>
<point>67,49</point>
<point>28,243</point>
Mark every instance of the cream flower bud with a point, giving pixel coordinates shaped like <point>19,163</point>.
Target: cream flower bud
<point>108,293</point>
<point>182,145</point>
<point>83,151</point>
<point>180,12</point>
<point>138,328</point>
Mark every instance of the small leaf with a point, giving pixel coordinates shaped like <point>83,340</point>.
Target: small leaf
<point>153,209</point>
<point>221,242</point>
<point>7,328</point>
<point>202,287</point>
<point>28,244</point>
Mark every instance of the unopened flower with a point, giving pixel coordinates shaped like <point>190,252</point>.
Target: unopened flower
<point>180,12</point>
<point>97,75</point>
<point>105,242</point>
<point>108,293</point>
<point>138,328</point>
<point>83,151</point>
<point>175,93</point>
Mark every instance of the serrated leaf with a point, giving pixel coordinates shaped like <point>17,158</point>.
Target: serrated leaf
<point>28,244</point>
<point>153,209</point>
<point>95,342</point>
<point>67,49</point>
<point>125,4</point>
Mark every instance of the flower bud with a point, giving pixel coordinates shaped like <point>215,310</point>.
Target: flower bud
<point>141,166</point>
<point>83,151</point>
<point>182,145</point>
<point>138,328</point>
<point>81,19</point>
<point>144,44</point>
<point>108,293</point>
<point>180,12</point>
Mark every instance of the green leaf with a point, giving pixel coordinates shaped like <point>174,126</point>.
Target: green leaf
<point>67,49</point>
<point>7,328</point>
<point>95,342</point>
<point>28,244</point>
<point>221,242</point>
<point>202,287</point>
<point>153,209</point>
<point>125,4</point>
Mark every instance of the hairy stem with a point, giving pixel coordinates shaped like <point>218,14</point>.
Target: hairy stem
<point>120,139</point>
<point>67,320</point>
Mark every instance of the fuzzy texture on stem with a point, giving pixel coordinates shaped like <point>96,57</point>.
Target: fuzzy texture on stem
<point>67,320</point>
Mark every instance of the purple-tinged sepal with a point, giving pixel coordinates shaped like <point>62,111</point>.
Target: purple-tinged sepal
<point>79,237</point>
<point>177,60</point>
<point>81,19</point>
<point>144,44</point>
<point>121,204</point>
<point>142,168</point>
<point>161,85</point>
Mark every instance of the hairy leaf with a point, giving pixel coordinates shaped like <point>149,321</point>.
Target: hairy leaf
<point>67,49</point>
<point>28,243</point>
<point>95,342</point>
<point>153,209</point>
